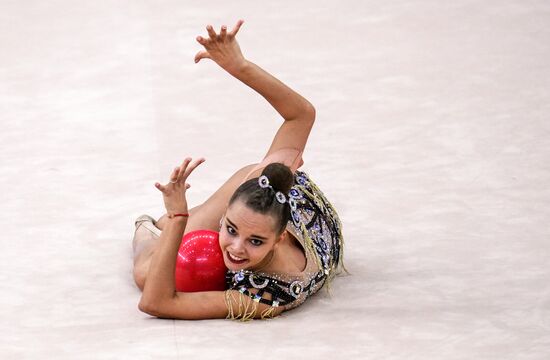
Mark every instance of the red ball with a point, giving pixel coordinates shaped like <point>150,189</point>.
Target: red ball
<point>200,266</point>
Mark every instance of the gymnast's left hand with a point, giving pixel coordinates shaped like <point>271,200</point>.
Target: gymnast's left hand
<point>174,191</point>
<point>223,48</point>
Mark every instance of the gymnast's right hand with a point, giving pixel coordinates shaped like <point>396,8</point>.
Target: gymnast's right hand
<point>173,193</point>
<point>222,48</point>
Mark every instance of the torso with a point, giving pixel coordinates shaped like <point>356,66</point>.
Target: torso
<point>315,228</point>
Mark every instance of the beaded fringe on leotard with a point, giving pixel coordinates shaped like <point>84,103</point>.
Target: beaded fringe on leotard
<point>244,303</point>
<point>325,206</point>
<point>317,225</point>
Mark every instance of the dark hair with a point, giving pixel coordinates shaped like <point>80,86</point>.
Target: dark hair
<point>263,200</point>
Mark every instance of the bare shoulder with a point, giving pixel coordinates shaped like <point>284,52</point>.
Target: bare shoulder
<point>209,305</point>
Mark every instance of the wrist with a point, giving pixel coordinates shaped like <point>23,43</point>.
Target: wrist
<point>177,214</point>
<point>239,69</point>
<point>177,221</point>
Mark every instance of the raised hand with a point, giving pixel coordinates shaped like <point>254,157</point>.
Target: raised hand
<point>222,48</point>
<point>174,192</point>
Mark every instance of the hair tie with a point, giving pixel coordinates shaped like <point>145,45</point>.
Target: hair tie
<point>264,183</point>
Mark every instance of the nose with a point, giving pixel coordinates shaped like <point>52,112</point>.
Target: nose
<point>237,247</point>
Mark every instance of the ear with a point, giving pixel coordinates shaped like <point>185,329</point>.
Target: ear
<point>281,237</point>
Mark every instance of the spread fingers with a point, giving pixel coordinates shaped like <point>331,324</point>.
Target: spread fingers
<point>236,28</point>
<point>211,32</point>
<point>223,32</point>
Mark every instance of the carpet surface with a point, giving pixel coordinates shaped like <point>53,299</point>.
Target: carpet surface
<point>431,140</point>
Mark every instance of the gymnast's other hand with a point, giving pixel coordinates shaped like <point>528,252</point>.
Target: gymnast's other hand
<point>223,48</point>
<point>174,191</point>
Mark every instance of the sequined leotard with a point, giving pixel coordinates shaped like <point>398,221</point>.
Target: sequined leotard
<point>316,225</point>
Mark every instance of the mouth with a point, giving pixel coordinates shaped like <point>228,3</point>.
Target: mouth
<point>235,260</point>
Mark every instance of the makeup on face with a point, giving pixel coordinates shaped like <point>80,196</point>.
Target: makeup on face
<point>234,260</point>
<point>245,236</point>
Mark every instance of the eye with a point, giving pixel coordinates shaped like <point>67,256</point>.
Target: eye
<point>230,230</point>
<point>258,243</point>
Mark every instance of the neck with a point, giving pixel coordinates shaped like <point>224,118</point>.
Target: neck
<point>267,260</point>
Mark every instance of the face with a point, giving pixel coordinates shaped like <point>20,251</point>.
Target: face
<point>248,236</point>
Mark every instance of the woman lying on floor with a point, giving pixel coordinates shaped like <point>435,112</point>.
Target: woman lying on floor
<point>280,237</point>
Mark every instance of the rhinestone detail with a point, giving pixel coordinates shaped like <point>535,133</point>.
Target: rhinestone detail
<point>258,286</point>
<point>296,288</point>
<point>239,276</point>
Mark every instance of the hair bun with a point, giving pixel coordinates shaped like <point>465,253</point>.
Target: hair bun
<point>255,196</point>
<point>280,177</point>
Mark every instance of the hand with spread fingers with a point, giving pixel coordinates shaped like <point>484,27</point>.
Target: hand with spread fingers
<point>174,191</point>
<point>222,48</point>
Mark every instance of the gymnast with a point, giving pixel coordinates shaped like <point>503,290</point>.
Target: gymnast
<point>281,239</point>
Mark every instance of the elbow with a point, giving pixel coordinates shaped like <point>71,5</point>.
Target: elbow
<point>307,114</point>
<point>147,308</point>
<point>156,308</point>
<point>310,111</point>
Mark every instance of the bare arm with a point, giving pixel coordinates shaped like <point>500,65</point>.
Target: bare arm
<point>160,297</point>
<point>286,101</point>
<point>299,113</point>
<point>160,284</point>
<point>160,279</point>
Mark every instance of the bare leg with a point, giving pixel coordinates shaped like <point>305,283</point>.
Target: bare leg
<point>145,244</point>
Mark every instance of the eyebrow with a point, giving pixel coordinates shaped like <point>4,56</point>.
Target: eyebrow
<point>236,228</point>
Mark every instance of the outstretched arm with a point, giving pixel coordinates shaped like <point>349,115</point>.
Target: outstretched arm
<point>160,280</point>
<point>299,113</point>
